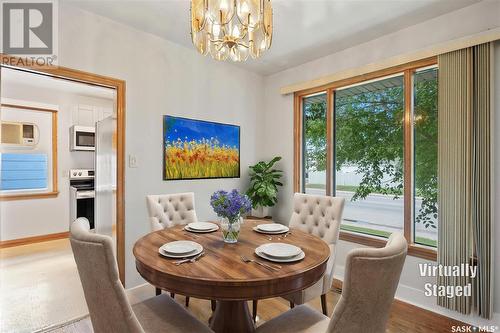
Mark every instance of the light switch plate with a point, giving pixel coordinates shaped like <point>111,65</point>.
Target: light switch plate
<point>132,161</point>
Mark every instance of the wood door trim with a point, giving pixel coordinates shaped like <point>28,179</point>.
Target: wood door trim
<point>33,239</point>
<point>25,64</point>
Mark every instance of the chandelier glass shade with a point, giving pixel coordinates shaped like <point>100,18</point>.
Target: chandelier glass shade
<point>234,29</point>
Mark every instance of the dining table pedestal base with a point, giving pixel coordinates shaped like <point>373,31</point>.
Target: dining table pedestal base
<point>232,316</point>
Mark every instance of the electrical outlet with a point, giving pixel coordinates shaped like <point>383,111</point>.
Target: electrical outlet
<point>132,161</point>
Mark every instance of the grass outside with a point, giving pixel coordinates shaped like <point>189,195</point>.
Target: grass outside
<point>385,234</point>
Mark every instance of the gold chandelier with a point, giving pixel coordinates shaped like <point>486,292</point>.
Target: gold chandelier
<point>231,29</point>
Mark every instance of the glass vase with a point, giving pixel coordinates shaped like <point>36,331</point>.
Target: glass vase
<point>230,229</point>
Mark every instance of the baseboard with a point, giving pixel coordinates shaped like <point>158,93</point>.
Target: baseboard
<point>34,239</point>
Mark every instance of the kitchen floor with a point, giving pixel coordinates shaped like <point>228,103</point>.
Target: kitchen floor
<point>39,287</point>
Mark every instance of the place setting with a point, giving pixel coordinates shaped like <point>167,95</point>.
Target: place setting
<point>201,227</point>
<point>280,252</point>
<point>185,251</point>
<point>273,229</point>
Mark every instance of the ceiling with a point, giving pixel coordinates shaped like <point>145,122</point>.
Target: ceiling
<point>303,29</point>
<point>31,80</point>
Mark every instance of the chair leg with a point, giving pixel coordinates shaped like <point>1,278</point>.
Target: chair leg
<point>157,291</point>
<point>292,305</point>
<point>254,310</point>
<point>187,301</point>
<point>213,303</point>
<point>323,305</point>
<point>172,295</point>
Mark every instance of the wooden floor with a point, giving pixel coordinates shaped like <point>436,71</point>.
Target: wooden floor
<point>404,317</point>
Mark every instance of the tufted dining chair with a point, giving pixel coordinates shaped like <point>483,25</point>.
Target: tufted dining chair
<point>110,310</point>
<point>320,216</point>
<point>370,281</point>
<point>167,210</point>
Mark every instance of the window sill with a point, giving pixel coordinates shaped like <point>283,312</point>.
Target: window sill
<point>413,250</point>
<point>28,196</point>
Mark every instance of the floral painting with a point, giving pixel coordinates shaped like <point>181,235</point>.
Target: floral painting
<point>195,149</point>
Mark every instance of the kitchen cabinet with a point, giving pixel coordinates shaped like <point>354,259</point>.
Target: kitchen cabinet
<point>88,115</point>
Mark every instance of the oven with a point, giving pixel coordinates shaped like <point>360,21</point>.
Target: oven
<point>82,195</point>
<point>82,138</point>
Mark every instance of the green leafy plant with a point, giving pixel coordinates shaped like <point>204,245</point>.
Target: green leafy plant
<point>264,182</point>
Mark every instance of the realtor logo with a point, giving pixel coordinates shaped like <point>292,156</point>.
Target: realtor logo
<point>28,28</point>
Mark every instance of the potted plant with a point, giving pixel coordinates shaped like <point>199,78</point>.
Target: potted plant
<point>230,206</point>
<point>264,182</point>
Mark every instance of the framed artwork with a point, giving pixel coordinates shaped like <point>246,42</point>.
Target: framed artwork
<point>197,149</point>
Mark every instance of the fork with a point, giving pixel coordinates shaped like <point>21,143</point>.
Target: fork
<point>271,267</point>
<point>178,262</point>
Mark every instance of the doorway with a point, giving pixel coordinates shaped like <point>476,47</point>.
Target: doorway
<point>111,154</point>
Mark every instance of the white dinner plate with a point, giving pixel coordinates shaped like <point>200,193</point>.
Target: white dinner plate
<point>300,256</point>
<point>189,255</point>
<point>272,227</point>
<point>201,231</point>
<point>180,249</point>
<point>280,250</point>
<point>202,226</point>
<point>271,233</point>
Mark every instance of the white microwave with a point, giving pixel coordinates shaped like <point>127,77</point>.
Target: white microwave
<point>19,134</point>
<point>82,138</point>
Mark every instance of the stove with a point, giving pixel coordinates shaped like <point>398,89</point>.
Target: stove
<point>82,195</point>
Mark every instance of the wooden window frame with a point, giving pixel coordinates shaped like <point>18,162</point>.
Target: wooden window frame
<point>54,192</point>
<point>407,70</point>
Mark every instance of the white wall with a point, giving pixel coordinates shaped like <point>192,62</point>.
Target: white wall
<point>27,218</point>
<point>279,113</point>
<point>162,78</point>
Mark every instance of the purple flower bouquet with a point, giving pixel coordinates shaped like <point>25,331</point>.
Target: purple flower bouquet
<point>230,206</point>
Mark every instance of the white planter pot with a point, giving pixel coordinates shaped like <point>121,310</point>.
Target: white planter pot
<point>261,211</point>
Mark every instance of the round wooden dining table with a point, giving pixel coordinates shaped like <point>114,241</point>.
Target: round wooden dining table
<point>221,274</point>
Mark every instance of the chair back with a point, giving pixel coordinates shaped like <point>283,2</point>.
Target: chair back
<point>167,210</point>
<point>318,215</point>
<point>370,282</point>
<point>109,308</point>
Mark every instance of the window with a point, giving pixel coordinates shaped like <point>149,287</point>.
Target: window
<point>314,144</point>
<point>24,172</point>
<point>28,156</point>
<point>369,155</point>
<point>425,156</point>
<point>373,140</point>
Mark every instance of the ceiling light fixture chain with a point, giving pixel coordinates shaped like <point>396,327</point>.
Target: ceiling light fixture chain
<point>234,29</point>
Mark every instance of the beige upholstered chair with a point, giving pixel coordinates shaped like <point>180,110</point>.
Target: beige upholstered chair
<point>320,216</point>
<point>370,282</point>
<point>167,210</point>
<point>109,308</point>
